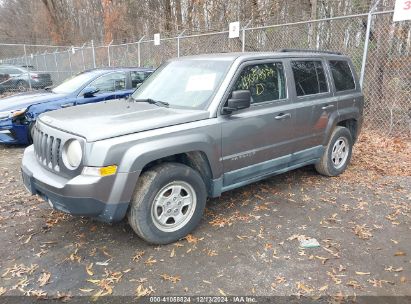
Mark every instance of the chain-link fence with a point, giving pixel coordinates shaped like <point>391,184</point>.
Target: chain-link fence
<point>379,48</point>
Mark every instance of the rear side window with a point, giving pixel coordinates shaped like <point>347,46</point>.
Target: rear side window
<point>342,75</point>
<point>309,77</point>
<point>266,82</point>
<point>138,77</point>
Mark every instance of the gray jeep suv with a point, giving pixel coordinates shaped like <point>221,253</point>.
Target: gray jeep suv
<point>197,127</point>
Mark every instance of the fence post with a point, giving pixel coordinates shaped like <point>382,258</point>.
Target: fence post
<point>69,57</point>
<point>243,37</point>
<point>45,61</point>
<point>37,62</point>
<point>178,42</point>
<point>94,53</point>
<point>57,66</point>
<point>27,65</point>
<point>82,57</point>
<point>108,53</point>
<point>366,44</point>
<point>139,51</point>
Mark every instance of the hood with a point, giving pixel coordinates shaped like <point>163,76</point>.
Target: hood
<point>24,100</point>
<point>117,117</point>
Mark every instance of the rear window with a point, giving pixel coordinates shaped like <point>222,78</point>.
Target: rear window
<point>342,75</point>
<point>309,77</point>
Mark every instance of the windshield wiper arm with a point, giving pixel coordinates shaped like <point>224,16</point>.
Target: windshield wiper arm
<point>152,101</point>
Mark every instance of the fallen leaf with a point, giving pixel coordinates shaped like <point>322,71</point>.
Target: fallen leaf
<point>86,289</point>
<point>400,253</point>
<point>221,292</point>
<point>173,279</point>
<point>138,256</point>
<point>362,273</point>
<point>44,278</point>
<point>141,291</point>
<point>150,261</point>
<point>325,287</point>
<point>88,269</point>
<point>402,280</point>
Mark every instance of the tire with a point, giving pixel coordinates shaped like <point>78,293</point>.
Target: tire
<point>157,192</point>
<point>30,132</point>
<point>333,163</point>
<point>22,86</point>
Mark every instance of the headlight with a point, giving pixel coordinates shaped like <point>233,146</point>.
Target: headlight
<point>72,154</point>
<point>18,113</point>
<point>4,115</point>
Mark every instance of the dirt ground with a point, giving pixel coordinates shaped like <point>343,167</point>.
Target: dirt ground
<point>247,244</point>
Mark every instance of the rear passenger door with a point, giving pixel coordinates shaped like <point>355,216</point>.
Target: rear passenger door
<point>346,87</point>
<point>255,141</point>
<point>314,102</point>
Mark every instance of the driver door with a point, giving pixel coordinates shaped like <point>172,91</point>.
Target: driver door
<point>255,140</point>
<point>110,86</point>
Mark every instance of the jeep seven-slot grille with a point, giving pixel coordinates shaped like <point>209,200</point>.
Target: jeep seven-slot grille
<point>47,149</point>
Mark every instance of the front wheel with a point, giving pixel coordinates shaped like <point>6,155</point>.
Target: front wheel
<point>30,134</point>
<point>168,203</point>
<point>337,154</point>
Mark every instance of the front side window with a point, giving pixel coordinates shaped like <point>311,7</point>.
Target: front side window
<point>309,77</point>
<point>184,83</point>
<point>110,82</point>
<point>266,82</point>
<point>342,75</point>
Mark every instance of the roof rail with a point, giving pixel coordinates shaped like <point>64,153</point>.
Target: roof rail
<point>309,51</point>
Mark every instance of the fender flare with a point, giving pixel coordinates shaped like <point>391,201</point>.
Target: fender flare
<point>339,116</point>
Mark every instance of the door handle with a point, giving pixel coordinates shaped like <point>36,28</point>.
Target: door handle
<point>283,116</point>
<point>66,105</point>
<point>327,107</point>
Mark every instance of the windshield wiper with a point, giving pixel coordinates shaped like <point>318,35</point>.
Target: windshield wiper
<point>151,101</point>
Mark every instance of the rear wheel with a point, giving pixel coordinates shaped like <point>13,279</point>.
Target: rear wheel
<point>337,154</point>
<point>168,203</point>
<point>22,86</point>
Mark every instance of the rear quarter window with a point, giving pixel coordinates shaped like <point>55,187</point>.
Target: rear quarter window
<point>342,75</point>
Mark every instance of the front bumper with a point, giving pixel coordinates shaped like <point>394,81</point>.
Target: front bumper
<point>13,134</point>
<point>103,198</point>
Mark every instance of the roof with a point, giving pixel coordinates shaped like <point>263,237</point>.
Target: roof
<point>258,55</point>
<point>107,69</point>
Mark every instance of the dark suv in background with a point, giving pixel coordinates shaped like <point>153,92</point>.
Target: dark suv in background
<point>21,78</point>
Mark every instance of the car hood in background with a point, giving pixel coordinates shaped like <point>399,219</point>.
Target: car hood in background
<point>20,101</point>
<point>117,117</point>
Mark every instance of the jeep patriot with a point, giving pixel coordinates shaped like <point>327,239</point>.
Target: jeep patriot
<point>199,126</point>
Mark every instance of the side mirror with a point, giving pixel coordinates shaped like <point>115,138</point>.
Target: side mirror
<point>90,91</point>
<point>239,100</point>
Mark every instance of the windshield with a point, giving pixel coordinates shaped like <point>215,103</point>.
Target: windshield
<point>75,83</point>
<point>185,83</point>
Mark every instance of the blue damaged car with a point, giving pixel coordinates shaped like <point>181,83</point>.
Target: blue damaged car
<point>18,113</point>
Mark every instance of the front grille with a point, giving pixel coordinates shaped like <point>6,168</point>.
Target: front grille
<point>47,149</point>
